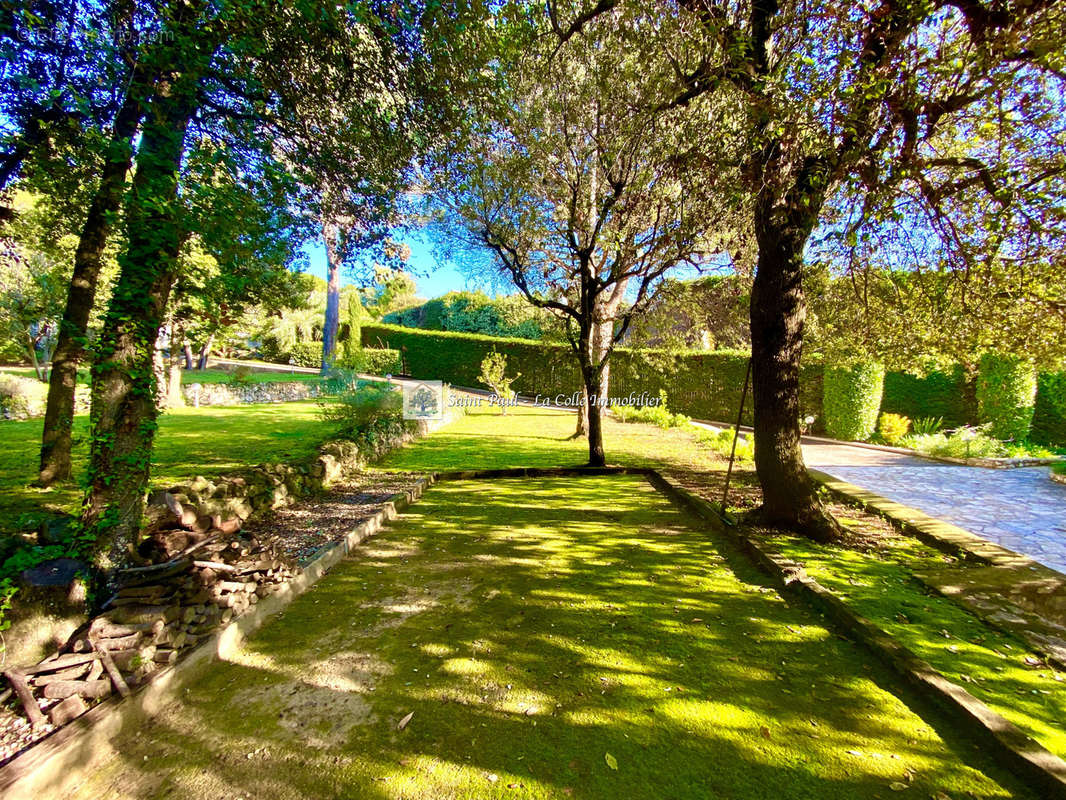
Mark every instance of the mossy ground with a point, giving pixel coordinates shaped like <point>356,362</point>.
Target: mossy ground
<point>541,631</point>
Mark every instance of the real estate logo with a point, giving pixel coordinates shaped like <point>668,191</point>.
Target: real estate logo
<point>423,400</point>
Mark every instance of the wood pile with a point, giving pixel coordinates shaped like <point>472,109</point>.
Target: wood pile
<point>205,572</point>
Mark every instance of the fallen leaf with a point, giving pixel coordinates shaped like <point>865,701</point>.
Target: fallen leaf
<point>405,720</point>
<point>765,732</point>
<point>897,786</point>
<point>612,762</point>
<point>493,778</point>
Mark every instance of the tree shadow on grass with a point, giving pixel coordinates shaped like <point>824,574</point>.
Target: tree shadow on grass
<point>533,628</point>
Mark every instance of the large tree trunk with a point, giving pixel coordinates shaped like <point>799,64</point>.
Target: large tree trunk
<point>88,261</point>
<point>594,390</point>
<point>186,350</point>
<point>124,413</point>
<point>332,324</point>
<point>778,310</point>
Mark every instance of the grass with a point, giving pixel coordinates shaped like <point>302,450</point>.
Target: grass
<point>991,665</point>
<point>542,633</point>
<point>189,376</point>
<point>207,441</point>
<point>880,585</point>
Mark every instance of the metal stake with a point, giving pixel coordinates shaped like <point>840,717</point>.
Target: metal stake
<point>736,435</point>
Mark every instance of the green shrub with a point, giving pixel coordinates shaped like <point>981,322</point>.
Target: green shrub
<point>353,405</point>
<point>21,397</point>
<point>381,361</point>
<point>1049,413</point>
<point>494,375</point>
<point>893,427</point>
<point>925,425</point>
<point>653,414</point>
<point>721,442</point>
<point>940,393</point>
<point>306,354</point>
<point>241,376</point>
<point>851,400</point>
<point>1006,395</point>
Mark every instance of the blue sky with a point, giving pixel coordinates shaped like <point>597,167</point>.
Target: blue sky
<point>434,277</point>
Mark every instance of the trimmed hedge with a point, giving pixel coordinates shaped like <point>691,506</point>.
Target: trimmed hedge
<point>1006,395</point>
<point>1049,414</point>
<point>938,394</point>
<point>379,361</point>
<point>852,400</point>
<point>703,385</point>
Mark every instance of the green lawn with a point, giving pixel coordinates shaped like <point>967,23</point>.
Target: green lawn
<point>551,638</point>
<point>201,376</point>
<point>207,441</point>
<point>880,585</point>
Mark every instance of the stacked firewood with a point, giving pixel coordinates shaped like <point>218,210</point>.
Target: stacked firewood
<point>206,572</point>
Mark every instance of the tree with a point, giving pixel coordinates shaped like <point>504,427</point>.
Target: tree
<point>878,103</point>
<point>135,73</point>
<point>248,72</point>
<point>580,196</point>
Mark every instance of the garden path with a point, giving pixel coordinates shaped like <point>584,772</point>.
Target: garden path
<point>1020,509</point>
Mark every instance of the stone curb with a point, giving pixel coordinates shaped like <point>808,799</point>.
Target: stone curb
<point>1024,756</point>
<point>50,765</point>
<point>936,533</point>
<point>1058,477</point>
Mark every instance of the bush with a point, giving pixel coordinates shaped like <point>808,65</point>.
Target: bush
<point>494,375</point>
<point>1006,395</point>
<point>21,397</point>
<point>653,414</point>
<point>851,400</point>
<point>241,376</point>
<point>721,442</point>
<point>926,425</point>
<point>354,405</point>
<point>381,361</point>
<point>941,393</point>
<point>893,427</point>
<point>1049,413</point>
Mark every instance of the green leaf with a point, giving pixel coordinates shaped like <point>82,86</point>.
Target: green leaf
<point>612,762</point>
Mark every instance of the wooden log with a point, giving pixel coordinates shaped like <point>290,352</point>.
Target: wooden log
<point>67,711</point>
<point>145,613</point>
<point>113,672</point>
<point>120,642</point>
<point>156,590</point>
<point>103,628</point>
<point>61,690</point>
<point>57,663</point>
<point>69,674</point>
<point>165,656</point>
<point>129,660</point>
<point>216,566</point>
<point>29,703</point>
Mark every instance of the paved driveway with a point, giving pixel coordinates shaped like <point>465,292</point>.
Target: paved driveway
<point>1017,508</point>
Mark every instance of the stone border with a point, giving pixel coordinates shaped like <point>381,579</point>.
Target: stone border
<point>1023,755</point>
<point>1058,477</point>
<point>49,765</point>
<point>943,536</point>
<point>78,746</point>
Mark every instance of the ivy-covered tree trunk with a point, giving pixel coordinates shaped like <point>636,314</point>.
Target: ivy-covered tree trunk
<point>778,311</point>
<point>88,260</point>
<point>331,327</point>
<point>124,384</point>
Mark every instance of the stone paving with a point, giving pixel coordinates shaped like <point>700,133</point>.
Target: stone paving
<point>1020,509</point>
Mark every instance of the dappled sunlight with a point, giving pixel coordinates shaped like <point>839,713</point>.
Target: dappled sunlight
<point>489,617</point>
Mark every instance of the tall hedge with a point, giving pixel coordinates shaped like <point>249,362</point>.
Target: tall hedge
<point>704,385</point>
<point>945,394</point>
<point>1049,414</point>
<point>851,400</point>
<point>1006,395</point>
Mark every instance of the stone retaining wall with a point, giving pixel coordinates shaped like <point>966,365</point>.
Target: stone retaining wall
<point>225,394</point>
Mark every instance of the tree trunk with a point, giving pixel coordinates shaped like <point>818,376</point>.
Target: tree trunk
<point>778,310</point>
<point>205,353</point>
<point>331,327</point>
<point>186,350</point>
<point>124,413</point>
<point>593,388</point>
<point>88,261</point>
